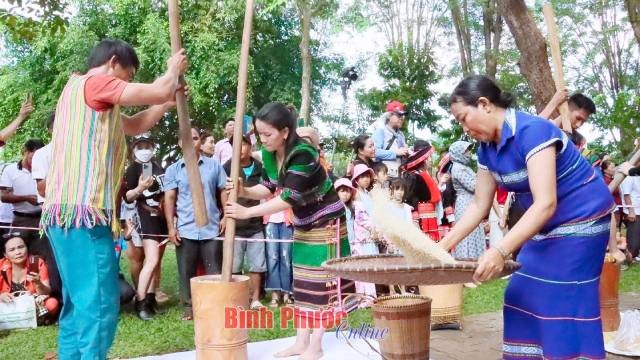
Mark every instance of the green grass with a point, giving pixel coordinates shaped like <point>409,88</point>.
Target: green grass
<point>167,333</point>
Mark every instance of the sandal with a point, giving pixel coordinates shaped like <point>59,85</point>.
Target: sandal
<point>187,315</point>
<point>273,303</point>
<point>287,300</point>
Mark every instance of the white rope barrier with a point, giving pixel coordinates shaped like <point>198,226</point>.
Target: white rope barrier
<point>166,236</point>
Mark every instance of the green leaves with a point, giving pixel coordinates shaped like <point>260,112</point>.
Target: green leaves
<point>211,32</point>
<point>26,19</point>
<point>408,75</point>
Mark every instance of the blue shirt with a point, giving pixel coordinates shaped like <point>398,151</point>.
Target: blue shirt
<point>582,194</point>
<point>381,138</point>
<point>213,178</point>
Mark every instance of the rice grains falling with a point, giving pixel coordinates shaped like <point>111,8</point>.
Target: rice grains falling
<point>416,246</point>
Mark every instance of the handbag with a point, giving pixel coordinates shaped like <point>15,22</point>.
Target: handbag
<point>20,313</point>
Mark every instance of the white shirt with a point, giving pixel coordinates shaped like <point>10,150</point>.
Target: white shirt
<point>40,165</point>
<point>223,151</point>
<point>6,210</point>
<point>20,180</point>
<point>631,186</point>
<point>40,162</point>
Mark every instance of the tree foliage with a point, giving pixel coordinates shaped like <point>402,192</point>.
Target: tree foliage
<point>25,19</point>
<point>211,33</point>
<point>411,28</point>
<point>605,65</point>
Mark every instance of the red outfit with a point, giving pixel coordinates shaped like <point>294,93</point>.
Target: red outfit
<point>501,195</point>
<point>6,269</point>
<point>102,91</point>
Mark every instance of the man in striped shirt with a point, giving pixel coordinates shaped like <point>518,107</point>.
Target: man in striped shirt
<point>89,152</point>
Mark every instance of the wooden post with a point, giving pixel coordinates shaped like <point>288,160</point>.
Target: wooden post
<point>188,150</point>
<point>230,231</point>
<point>556,56</point>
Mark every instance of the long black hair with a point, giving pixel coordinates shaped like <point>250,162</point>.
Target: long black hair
<point>280,116</point>
<point>474,87</point>
<point>359,142</point>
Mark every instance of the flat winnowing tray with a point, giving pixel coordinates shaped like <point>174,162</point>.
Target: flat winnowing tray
<point>394,269</point>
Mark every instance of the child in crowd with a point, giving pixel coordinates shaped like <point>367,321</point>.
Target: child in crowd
<point>397,191</point>
<point>364,243</point>
<point>381,175</point>
<point>347,194</point>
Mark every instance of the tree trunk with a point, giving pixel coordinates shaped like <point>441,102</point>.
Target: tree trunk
<point>304,11</point>
<point>461,36</point>
<point>467,33</point>
<point>633,9</point>
<point>492,22</point>
<point>534,61</point>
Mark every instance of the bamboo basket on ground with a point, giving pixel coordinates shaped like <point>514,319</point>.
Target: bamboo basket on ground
<point>446,305</point>
<point>407,318</point>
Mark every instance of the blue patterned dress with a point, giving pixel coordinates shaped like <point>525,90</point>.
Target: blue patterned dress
<point>552,307</point>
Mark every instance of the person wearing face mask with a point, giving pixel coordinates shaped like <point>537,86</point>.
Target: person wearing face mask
<point>389,141</point>
<point>464,183</point>
<point>144,186</point>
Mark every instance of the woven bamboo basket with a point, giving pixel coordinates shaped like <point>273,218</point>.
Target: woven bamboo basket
<point>446,305</point>
<point>395,269</point>
<point>406,317</point>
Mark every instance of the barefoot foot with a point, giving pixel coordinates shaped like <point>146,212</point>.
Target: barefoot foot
<point>310,354</point>
<point>295,349</point>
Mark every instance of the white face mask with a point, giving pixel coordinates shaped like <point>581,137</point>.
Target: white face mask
<point>143,155</point>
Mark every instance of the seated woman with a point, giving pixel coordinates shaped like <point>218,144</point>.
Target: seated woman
<point>17,274</point>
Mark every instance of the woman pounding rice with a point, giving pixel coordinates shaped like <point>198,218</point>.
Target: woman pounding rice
<point>551,305</point>
<point>292,164</point>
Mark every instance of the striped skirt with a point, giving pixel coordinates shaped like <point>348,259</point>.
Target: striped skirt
<point>316,291</point>
<point>552,305</point>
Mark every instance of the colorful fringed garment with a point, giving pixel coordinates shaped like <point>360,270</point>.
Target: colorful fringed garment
<point>86,170</point>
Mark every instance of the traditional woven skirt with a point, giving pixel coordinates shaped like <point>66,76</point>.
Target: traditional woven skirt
<point>552,305</point>
<point>316,291</point>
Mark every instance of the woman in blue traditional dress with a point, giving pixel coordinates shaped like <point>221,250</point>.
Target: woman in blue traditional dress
<point>551,306</point>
